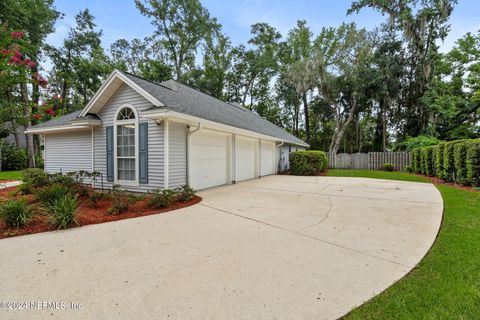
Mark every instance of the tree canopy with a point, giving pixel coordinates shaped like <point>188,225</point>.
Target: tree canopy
<point>341,89</point>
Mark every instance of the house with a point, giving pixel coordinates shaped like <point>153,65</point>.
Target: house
<point>144,135</point>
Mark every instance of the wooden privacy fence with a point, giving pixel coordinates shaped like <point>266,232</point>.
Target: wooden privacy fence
<point>371,160</point>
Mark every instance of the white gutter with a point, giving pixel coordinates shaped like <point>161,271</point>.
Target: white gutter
<point>57,128</point>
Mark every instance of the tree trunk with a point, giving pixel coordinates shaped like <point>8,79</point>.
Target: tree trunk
<point>297,108</point>
<point>28,124</point>
<point>340,130</point>
<point>384,127</point>
<point>1,158</point>
<point>307,119</point>
<point>65,83</point>
<point>15,133</point>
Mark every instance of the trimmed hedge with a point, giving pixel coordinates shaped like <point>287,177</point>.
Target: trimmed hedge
<point>449,160</point>
<point>307,163</point>
<point>416,160</point>
<point>455,161</point>
<point>427,159</point>
<point>473,163</point>
<point>460,162</point>
<point>440,169</point>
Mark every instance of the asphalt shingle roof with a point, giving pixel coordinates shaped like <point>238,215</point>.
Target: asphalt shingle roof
<point>183,99</point>
<point>60,121</point>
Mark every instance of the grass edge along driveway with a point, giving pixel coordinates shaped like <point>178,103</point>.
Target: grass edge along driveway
<point>446,283</point>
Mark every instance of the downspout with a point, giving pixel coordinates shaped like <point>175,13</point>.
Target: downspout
<point>93,156</point>
<point>166,153</point>
<point>278,162</point>
<point>199,127</point>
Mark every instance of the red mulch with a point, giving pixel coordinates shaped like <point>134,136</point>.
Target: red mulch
<point>86,214</point>
<point>437,181</point>
<point>3,181</point>
<point>319,174</point>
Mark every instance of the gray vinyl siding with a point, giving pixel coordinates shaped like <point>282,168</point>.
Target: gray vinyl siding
<point>68,151</point>
<point>125,95</point>
<point>177,158</point>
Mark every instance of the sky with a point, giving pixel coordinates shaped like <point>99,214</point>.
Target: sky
<point>121,19</point>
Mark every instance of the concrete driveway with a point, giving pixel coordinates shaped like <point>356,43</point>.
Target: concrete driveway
<point>281,247</point>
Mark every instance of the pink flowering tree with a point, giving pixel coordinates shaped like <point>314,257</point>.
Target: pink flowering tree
<point>18,77</point>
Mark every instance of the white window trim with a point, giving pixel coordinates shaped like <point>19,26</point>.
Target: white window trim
<point>116,122</point>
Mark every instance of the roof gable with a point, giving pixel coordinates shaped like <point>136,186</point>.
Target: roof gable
<point>108,89</point>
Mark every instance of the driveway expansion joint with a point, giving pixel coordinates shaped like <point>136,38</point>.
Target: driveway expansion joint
<point>305,235</point>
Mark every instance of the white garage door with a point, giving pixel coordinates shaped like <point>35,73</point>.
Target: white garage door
<point>267,156</point>
<point>208,159</point>
<point>245,158</point>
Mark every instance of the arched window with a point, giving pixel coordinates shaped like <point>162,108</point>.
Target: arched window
<point>126,144</point>
<point>126,114</point>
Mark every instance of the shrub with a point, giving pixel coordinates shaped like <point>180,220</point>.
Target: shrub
<point>63,212</point>
<point>434,164</point>
<point>407,169</point>
<point>16,213</point>
<point>161,199</point>
<point>415,155</point>
<point>63,179</point>
<point>449,160</point>
<point>79,180</point>
<point>307,163</point>
<point>51,193</point>
<point>13,158</point>
<point>132,198</point>
<point>459,160</point>
<point>473,164</point>
<point>120,201</point>
<point>39,163</point>
<point>95,197</point>
<point>24,188</point>
<point>440,169</point>
<point>427,161</point>
<point>35,177</point>
<point>388,167</point>
<point>185,193</point>
<point>417,142</point>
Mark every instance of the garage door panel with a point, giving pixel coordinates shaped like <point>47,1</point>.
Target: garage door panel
<point>245,158</point>
<point>267,158</point>
<point>208,160</point>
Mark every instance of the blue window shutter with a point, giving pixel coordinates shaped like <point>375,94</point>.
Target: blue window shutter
<point>109,153</point>
<point>143,152</point>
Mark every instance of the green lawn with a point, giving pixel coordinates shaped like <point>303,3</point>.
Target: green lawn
<point>446,283</point>
<point>11,175</point>
<point>376,174</point>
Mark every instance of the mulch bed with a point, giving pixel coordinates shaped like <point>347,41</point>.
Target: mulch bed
<point>86,214</point>
<point>437,181</point>
<point>319,174</point>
